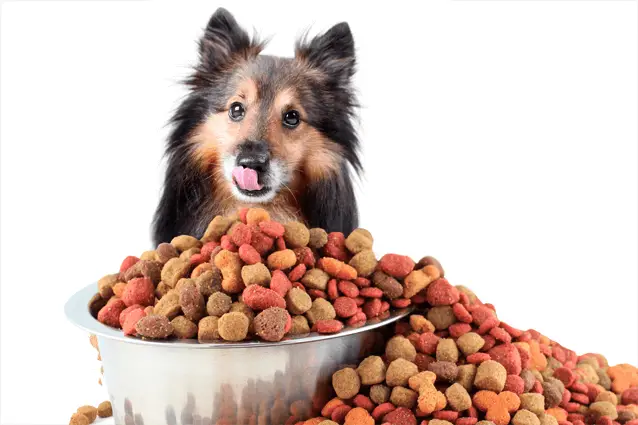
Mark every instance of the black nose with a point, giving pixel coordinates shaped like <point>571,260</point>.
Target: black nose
<point>254,155</point>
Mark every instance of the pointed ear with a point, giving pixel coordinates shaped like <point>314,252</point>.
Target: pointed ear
<point>223,40</point>
<point>331,52</point>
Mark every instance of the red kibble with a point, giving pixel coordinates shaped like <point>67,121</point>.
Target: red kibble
<point>572,417</point>
<point>559,353</point>
<point>345,307</point>
<point>371,292</point>
<point>565,423</point>
<point>329,326</point>
<point>537,387</point>
<point>358,319</point>
<point>332,290</point>
<point>260,241</point>
<point>579,387</point>
<point>571,407</point>
<point>362,282</point>
<point>280,243</point>
<point>630,396</point>
<point>297,272</point>
<point>442,334</point>
<point>515,384</point>
<point>446,415</point>
<point>131,320</point>
<point>418,298</point>
<point>248,254</point>
<point>487,325</point>
<point>545,349</point>
<point>372,308</point>
<point>507,355</point>
<point>440,292</point>
<point>566,376</point>
<point>305,256</point>
<point>336,247</point>
<point>402,328</point>
<point>490,342</point>
<point>400,416</point>
<point>385,306</point>
<point>459,329</point>
<point>243,215</point>
<point>401,302</point>
<point>241,234</point>
<point>382,410</point>
<point>525,357</point>
<point>580,398</point>
<point>395,265</point>
<point>427,343</point>
<point>317,293</point>
<point>208,248</point>
<point>478,358</point>
<point>197,259</point>
<point>514,333</point>
<point>461,313</point>
<point>501,335</point>
<point>360,301</point>
<point>259,298</point>
<point>348,288</point>
<point>110,313</point>
<point>422,361</point>
<point>128,262</point>
<point>272,228</point>
<point>227,244</point>
<point>280,283</point>
<point>472,412</point>
<point>464,299</point>
<point>567,395</point>
<point>364,402</point>
<point>466,421</point>
<point>126,311</point>
<point>339,413</point>
<point>139,291</point>
<point>579,422</point>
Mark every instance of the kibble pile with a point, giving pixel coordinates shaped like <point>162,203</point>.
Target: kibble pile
<point>250,276</point>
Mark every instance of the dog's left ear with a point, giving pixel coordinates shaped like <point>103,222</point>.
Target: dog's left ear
<point>331,52</point>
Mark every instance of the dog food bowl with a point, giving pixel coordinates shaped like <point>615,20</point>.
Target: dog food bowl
<point>179,382</point>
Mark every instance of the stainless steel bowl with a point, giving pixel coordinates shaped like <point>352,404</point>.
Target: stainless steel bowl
<point>188,383</point>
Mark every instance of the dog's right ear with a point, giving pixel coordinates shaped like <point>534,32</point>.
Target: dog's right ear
<point>224,40</point>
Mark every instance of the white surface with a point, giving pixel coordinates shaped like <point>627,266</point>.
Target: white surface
<point>499,137</point>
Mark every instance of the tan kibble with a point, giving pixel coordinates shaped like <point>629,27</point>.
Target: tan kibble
<point>379,394</point>
<point>209,282</point>
<point>298,301</point>
<point>458,398</point>
<point>607,396</point>
<point>546,419</point>
<point>364,262</point>
<point>168,305</point>
<point>589,375</point>
<point>439,422</point>
<point>218,304</point>
<point>149,255</point>
<point>447,351</point>
<point>372,370</point>
<point>359,240</point>
<point>315,279</point>
<point>603,408</point>
<point>491,376</point>
<point>184,282</point>
<point>185,242</point>
<point>346,383</point>
<point>161,290</point>
<point>255,274</point>
<point>442,317</point>
<point>186,255</point>
<point>403,397</point>
<point>105,285</point>
<point>208,329</point>
<point>299,326</point>
<point>296,234</point>
<point>320,310</point>
<point>183,328</point>
<point>89,411</point>
<point>256,216</point>
<point>79,419</point>
<point>533,402</point>
<point>327,422</point>
<point>466,375</point>
<point>318,238</point>
<point>104,409</point>
<point>400,347</point>
<point>174,270</point>
<point>525,417</point>
<point>233,326</point>
<point>422,378</point>
<point>216,229</point>
<point>488,423</point>
<point>399,372</point>
<point>420,324</point>
<point>470,343</point>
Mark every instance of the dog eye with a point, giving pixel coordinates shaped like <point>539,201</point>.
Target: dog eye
<point>236,111</point>
<point>291,119</point>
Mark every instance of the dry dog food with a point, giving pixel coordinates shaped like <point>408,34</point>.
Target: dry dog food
<point>86,415</point>
<point>290,280</point>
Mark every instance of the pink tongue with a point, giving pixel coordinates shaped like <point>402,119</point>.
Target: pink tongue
<point>246,178</point>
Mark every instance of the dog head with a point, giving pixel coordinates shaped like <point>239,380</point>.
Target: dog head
<point>261,125</point>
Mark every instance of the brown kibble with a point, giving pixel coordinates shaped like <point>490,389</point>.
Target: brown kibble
<point>458,398</point>
<point>218,304</point>
<point>168,305</point>
<point>346,383</point>
<point>447,351</point>
<point>174,270</point>
<point>442,317</point>
<point>296,234</point>
<point>525,417</point>
<point>445,371</point>
<point>299,326</point>
<point>89,411</point>
<point>625,416</point>
<point>315,279</point>
<point>389,285</point>
<point>365,263</point>
<point>216,229</point>
<point>379,394</point>
<point>270,324</point>
<point>208,329</point>
<point>318,238</point>
<point>466,375</point>
<point>209,282</point>
<point>470,343</point>
<point>403,397</point>
<point>282,260</point>
<point>372,370</point>
<point>183,328</point>
<point>320,310</point>
<point>233,326</point>
<point>79,419</point>
<point>165,252</point>
<point>104,409</point>
<point>161,290</point>
<point>528,379</point>
<point>490,376</point>
<point>105,285</point>
<point>400,347</point>
<point>359,240</point>
<point>191,301</point>
<point>256,274</point>
<point>154,327</point>
<point>533,402</point>
<point>603,408</point>
<point>399,372</point>
<point>298,301</point>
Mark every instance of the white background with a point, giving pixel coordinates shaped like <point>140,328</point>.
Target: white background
<point>499,137</point>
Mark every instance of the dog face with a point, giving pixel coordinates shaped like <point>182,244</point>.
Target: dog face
<point>272,123</point>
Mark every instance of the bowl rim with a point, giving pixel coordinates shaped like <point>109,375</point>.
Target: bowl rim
<point>77,312</point>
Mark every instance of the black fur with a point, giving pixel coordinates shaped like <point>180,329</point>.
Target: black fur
<point>186,204</point>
